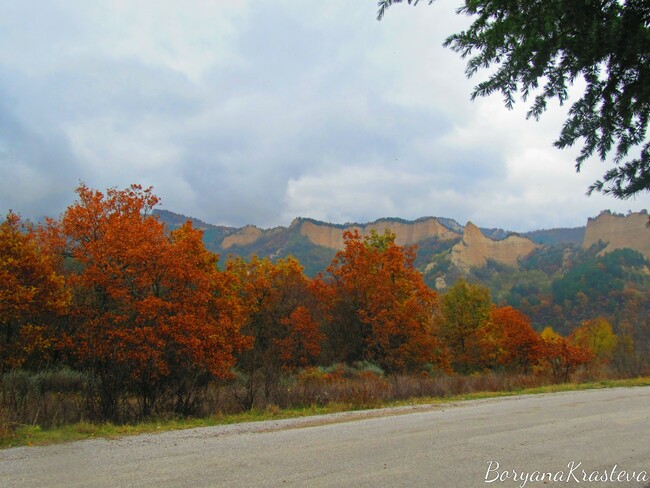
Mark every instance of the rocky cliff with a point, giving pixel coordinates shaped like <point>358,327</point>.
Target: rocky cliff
<point>243,237</point>
<point>316,242</point>
<point>619,231</point>
<point>474,250</point>
<point>407,233</point>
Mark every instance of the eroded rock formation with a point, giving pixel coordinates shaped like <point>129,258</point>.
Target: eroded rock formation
<point>474,250</point>
<point>406,233</point>
<point>619,231</point>
<point>244,236</point>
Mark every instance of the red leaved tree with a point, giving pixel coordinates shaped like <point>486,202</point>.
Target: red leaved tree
<point>279,306</point>
<point>32,297</point>
<point>561,355</point>
<point>508,340</point>
<point>380,310</point>
<point>152,315</point>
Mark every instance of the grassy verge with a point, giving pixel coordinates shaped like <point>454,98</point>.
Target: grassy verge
<point>34,435</point>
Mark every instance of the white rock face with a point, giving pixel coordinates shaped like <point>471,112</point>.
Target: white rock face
<point>618,232</point>
<point>475,249</point>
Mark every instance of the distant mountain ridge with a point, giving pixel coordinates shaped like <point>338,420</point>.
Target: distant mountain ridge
<point>315,242</point>
<point>562,235</point>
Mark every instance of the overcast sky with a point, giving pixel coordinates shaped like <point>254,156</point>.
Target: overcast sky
<point>258,111</point>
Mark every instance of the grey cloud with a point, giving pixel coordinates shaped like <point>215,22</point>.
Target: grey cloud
<point>90,87</point>
<point>38,169</point>
<point>301,108</point>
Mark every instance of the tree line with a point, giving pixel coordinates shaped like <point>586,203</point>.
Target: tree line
<point>153,318</point>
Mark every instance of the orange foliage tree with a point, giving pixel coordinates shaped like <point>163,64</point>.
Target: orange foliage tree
<point>561,355</point>
<point>379,308</point>
<point>508,340</point>
<point>32,297</point>
<point>152,315</point>
<point>279,322</point>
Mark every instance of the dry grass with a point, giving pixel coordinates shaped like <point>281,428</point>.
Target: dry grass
<point>53,408</point>
<point>34,435</point>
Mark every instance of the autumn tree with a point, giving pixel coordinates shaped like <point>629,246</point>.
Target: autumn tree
<point>151,315</point>
<point>464,311</point>
<point>596,334</point>
<point>32,297</point>
<point>539,49</point>
<point>508,340</point>
<point>279,307</point>
<point>301,344</point>
<point>632,353</point>
<point>561,355</point>
<point>380,309</point>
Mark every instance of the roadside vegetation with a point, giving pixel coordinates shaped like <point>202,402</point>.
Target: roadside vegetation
<point>109,320</point>
<point>360,393</point>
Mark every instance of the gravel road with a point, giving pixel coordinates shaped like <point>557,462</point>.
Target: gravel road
<point>489,443</point>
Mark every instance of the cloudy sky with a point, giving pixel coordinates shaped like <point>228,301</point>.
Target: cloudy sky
<point>258,111</point>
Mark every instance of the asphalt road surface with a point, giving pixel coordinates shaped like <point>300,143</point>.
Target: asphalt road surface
<point>589,438</point>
